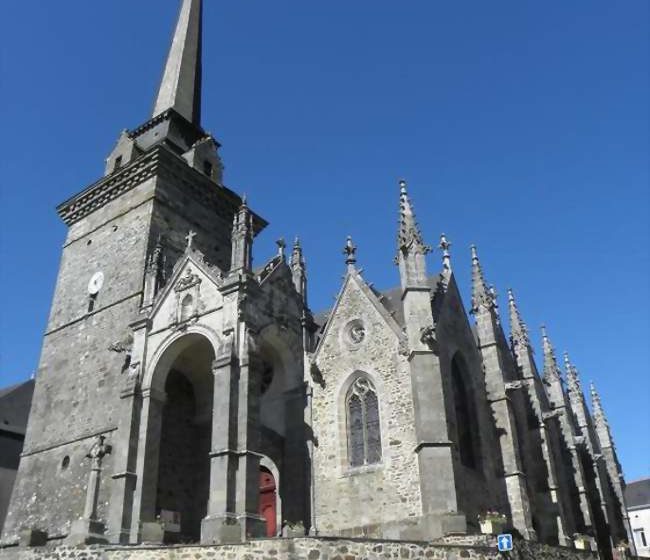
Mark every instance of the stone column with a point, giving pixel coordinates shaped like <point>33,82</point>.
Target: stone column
<point>248,471</point>
<point>126,444</point>
<point>88,529</point>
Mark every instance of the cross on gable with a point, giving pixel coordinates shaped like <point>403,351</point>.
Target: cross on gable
<point>190,238</point>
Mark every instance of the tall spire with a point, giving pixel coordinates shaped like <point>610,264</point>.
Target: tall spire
<point>180,88</point>
<point>409,237</point>
<point>518,329</point>
<point>483,297</point>
<point>551,371</point>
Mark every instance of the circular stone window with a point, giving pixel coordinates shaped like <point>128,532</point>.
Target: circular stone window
<point>355,332</point>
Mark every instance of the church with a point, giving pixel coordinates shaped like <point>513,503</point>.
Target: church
<point>184,396</point>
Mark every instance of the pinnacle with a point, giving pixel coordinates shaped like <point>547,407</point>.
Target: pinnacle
<point>518,329</point>
<point>551,371</point>
<point>409,237</point>
<point>483,297</point>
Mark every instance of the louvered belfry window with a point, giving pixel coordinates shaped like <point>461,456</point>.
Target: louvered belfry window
<point>364,432</point>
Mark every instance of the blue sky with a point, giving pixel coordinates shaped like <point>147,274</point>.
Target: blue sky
<point>520,126</point>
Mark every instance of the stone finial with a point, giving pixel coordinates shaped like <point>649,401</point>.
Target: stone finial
<point>242,238</point>
<point>483,296</point>
<point>350,252</point>
<point>551,370</point>
<point>518,330</point>
<point>297,258</point>
<point>282,245</point>
<point>180,88</point>
<point>446,255</point>
<point>409,236</point>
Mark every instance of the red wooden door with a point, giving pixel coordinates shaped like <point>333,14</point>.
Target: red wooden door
<point>268,502</point>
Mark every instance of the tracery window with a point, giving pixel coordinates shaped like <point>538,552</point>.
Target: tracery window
<point>466,425</point>
<point>363,429</point>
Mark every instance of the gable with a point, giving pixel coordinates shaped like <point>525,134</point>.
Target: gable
<point>357,317</point>
<point>192,291</point>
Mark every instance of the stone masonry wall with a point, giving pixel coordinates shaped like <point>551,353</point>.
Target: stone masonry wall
<point>376,494</point>
<point>304,549</point>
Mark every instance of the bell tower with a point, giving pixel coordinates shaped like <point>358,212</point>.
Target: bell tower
<point>163,179</point>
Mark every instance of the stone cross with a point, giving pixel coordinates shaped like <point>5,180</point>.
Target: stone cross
<point>190,238</point>
<point>96,454</point>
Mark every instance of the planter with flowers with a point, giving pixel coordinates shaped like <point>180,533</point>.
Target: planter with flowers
<point>492,522</point>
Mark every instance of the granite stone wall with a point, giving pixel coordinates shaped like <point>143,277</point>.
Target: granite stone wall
<point>350,498</point>
<point>305,549</point>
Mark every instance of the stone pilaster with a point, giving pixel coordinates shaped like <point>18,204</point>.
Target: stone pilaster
<point>561,413</point>
<point>434,446</point>
<point>523,354</point>
<point>126,443</point>
<point>492,346</point>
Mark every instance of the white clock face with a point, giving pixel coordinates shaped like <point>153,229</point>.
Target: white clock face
<point>95,283</point>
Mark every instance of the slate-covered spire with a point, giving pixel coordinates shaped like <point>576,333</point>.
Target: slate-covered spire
<point>483,296</point>
<point>518,330</point>
<point>551,370</point>
<point>180,88</point>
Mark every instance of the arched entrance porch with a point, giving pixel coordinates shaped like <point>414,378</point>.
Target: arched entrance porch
<point>178,413</point>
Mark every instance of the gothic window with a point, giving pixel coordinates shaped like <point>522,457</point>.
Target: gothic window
<point>466,428</point>
<point>186,307</point>
<point>363,430</point>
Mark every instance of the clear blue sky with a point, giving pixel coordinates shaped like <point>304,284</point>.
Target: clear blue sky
<point>521,126</point>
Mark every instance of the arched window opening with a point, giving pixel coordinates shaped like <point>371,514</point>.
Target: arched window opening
<point>465,428</point>
<point>186,307</point>
<point>364,432</point>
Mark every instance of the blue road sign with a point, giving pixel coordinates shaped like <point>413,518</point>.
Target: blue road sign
<point>504,542</point>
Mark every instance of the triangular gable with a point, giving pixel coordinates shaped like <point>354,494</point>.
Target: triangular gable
<point>189,269</point>
<point>355,277</point>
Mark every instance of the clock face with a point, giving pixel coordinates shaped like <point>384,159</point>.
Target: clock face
<point>95,283</point>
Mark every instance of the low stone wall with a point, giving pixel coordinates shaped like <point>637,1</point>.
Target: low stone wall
<point>303,549</point>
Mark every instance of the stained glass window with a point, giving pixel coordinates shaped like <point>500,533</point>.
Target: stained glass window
<point>364,432</point>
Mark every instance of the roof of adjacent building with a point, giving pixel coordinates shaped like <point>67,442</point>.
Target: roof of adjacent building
<point>15,402</point>
<point>637,493</point>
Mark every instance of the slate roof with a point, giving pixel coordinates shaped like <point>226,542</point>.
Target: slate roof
<point>15,402</point>
<point>637,494</point>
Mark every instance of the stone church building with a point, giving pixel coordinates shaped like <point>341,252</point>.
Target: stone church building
<point>184,396</point>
